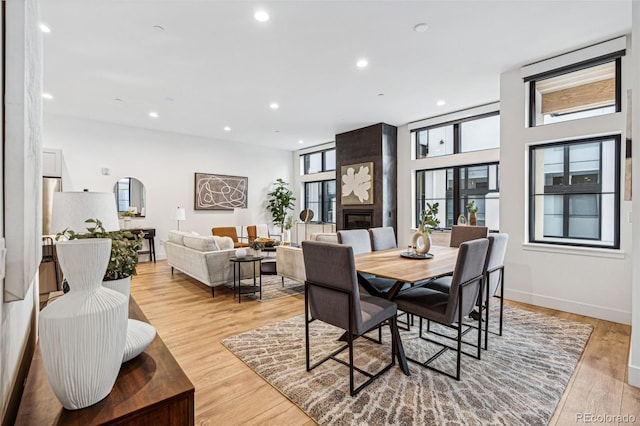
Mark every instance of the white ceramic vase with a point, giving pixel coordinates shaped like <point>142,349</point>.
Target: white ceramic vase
<point>139,337</point>
<point>123,285</point>
<point>83,333</point>
<point>420,241</point>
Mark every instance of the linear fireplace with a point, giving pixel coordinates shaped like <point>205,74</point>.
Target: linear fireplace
<point>358,219</point>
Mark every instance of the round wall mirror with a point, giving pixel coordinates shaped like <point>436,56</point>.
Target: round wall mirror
<point>130,196</point>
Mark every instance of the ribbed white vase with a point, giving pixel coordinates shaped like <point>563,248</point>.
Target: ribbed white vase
<point>83,333</point>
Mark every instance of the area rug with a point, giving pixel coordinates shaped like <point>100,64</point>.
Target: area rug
<point>272,288</point>
<point>519,380</point>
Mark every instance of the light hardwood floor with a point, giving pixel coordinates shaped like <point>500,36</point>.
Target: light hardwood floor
<point>192,324</point>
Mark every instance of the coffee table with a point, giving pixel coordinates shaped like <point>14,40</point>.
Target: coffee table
<point>245,289</point>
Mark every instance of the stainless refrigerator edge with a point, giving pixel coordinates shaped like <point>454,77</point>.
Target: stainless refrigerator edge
<point>49,186</point>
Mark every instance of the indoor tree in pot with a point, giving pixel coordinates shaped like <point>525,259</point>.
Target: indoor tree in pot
<point>124,253</point>
<point>281,199</point>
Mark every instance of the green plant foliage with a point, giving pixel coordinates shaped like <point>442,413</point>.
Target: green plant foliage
<point>281,199</point>
<point>471,207</point>
<point>289,222</point>
<point>428,217</point>
<point>256,244</point>
<point>124,248</point>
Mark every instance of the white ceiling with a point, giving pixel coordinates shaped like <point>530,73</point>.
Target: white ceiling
<point>215,65</point>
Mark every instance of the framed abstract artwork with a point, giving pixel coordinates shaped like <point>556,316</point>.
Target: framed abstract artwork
<point>357,183</point>
<point>220,192</point>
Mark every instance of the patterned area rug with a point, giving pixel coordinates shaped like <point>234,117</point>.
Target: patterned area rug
<point>519,380</point>
<point>272,288</point>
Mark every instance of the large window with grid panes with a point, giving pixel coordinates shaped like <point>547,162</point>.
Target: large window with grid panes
<point>574,195</point>
<point>455,187</point>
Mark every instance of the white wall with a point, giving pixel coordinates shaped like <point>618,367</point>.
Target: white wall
<point>165,163</point>
<point>634,351</point>
<point>592,282</point>
<point>16,317</point>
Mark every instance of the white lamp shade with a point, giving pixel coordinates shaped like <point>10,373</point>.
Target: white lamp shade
<point>71,209</point>
<point>181,214</point>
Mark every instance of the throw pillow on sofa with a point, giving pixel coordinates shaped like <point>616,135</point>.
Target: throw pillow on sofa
<point>200,243</point>
<point>223,243</point>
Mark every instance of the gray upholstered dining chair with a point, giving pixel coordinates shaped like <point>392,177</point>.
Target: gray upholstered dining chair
<point>382,238</point>
<point>361,242</point>
<point>332,296</point>
<point>464,233</point>
<point>494,279</point>
<point>450,309</point>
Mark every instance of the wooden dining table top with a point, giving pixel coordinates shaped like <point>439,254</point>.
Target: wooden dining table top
<point>389,264</point>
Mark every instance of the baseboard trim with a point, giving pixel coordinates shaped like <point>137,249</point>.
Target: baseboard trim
<point>600,312</point>
<point>634,376</point>
<point>18,387</point>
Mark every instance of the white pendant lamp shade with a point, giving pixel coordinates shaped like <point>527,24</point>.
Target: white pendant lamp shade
<point>71,209</point>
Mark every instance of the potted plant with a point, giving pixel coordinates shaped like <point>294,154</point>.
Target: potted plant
<point>472,209</point>
<point>127,215</point>
<point>256,245</point>
<point>421,241</point>
<point>124,253</point>
<point>281,199</point>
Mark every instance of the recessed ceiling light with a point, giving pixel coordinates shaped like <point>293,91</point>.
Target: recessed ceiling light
<point>274,105</point>
<point>420,28</point>
<point>153,114</point>
<point>300,141</point>
<point>47,96</point>
<point>380,94</point>
<point>118,99</point>
<point>261,16</point>
<point>45,28</point>
<point>227,128</point>
<point>158,28</point>
<point>441,102</point>
<point>362,63</point>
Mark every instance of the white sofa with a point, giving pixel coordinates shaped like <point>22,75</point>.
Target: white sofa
<point>289,260</point>
<point>205,258</point>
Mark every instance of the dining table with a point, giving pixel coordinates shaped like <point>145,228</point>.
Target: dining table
<point>405,268</point>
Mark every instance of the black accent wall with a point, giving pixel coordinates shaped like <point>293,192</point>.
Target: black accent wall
<point>377,143</point>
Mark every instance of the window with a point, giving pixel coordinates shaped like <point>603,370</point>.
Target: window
<point>124,194</point>
<point>478,183</point>
<point>578,91</point>
<point>574,195</point>
<point>320,197</point>
<point>317,162</point>
<point>470,134</point>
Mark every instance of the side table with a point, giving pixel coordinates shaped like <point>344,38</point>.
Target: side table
<point>245,289</point>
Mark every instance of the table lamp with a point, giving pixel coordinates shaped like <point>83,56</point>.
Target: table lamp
<point>71,209</point>
<point>180,215</point>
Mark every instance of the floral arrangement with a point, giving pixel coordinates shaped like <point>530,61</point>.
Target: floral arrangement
<point>289,222</point>
<point>428,217</point>
<point>471,207</point>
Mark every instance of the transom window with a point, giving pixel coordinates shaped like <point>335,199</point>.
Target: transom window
<point>579,91</point>
<point>470,134</point>
<point>574,196</point>
<point>318,162</point>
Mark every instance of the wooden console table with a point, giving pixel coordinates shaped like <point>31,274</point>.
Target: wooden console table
<point>151,389</point>
<point>149,235</point>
